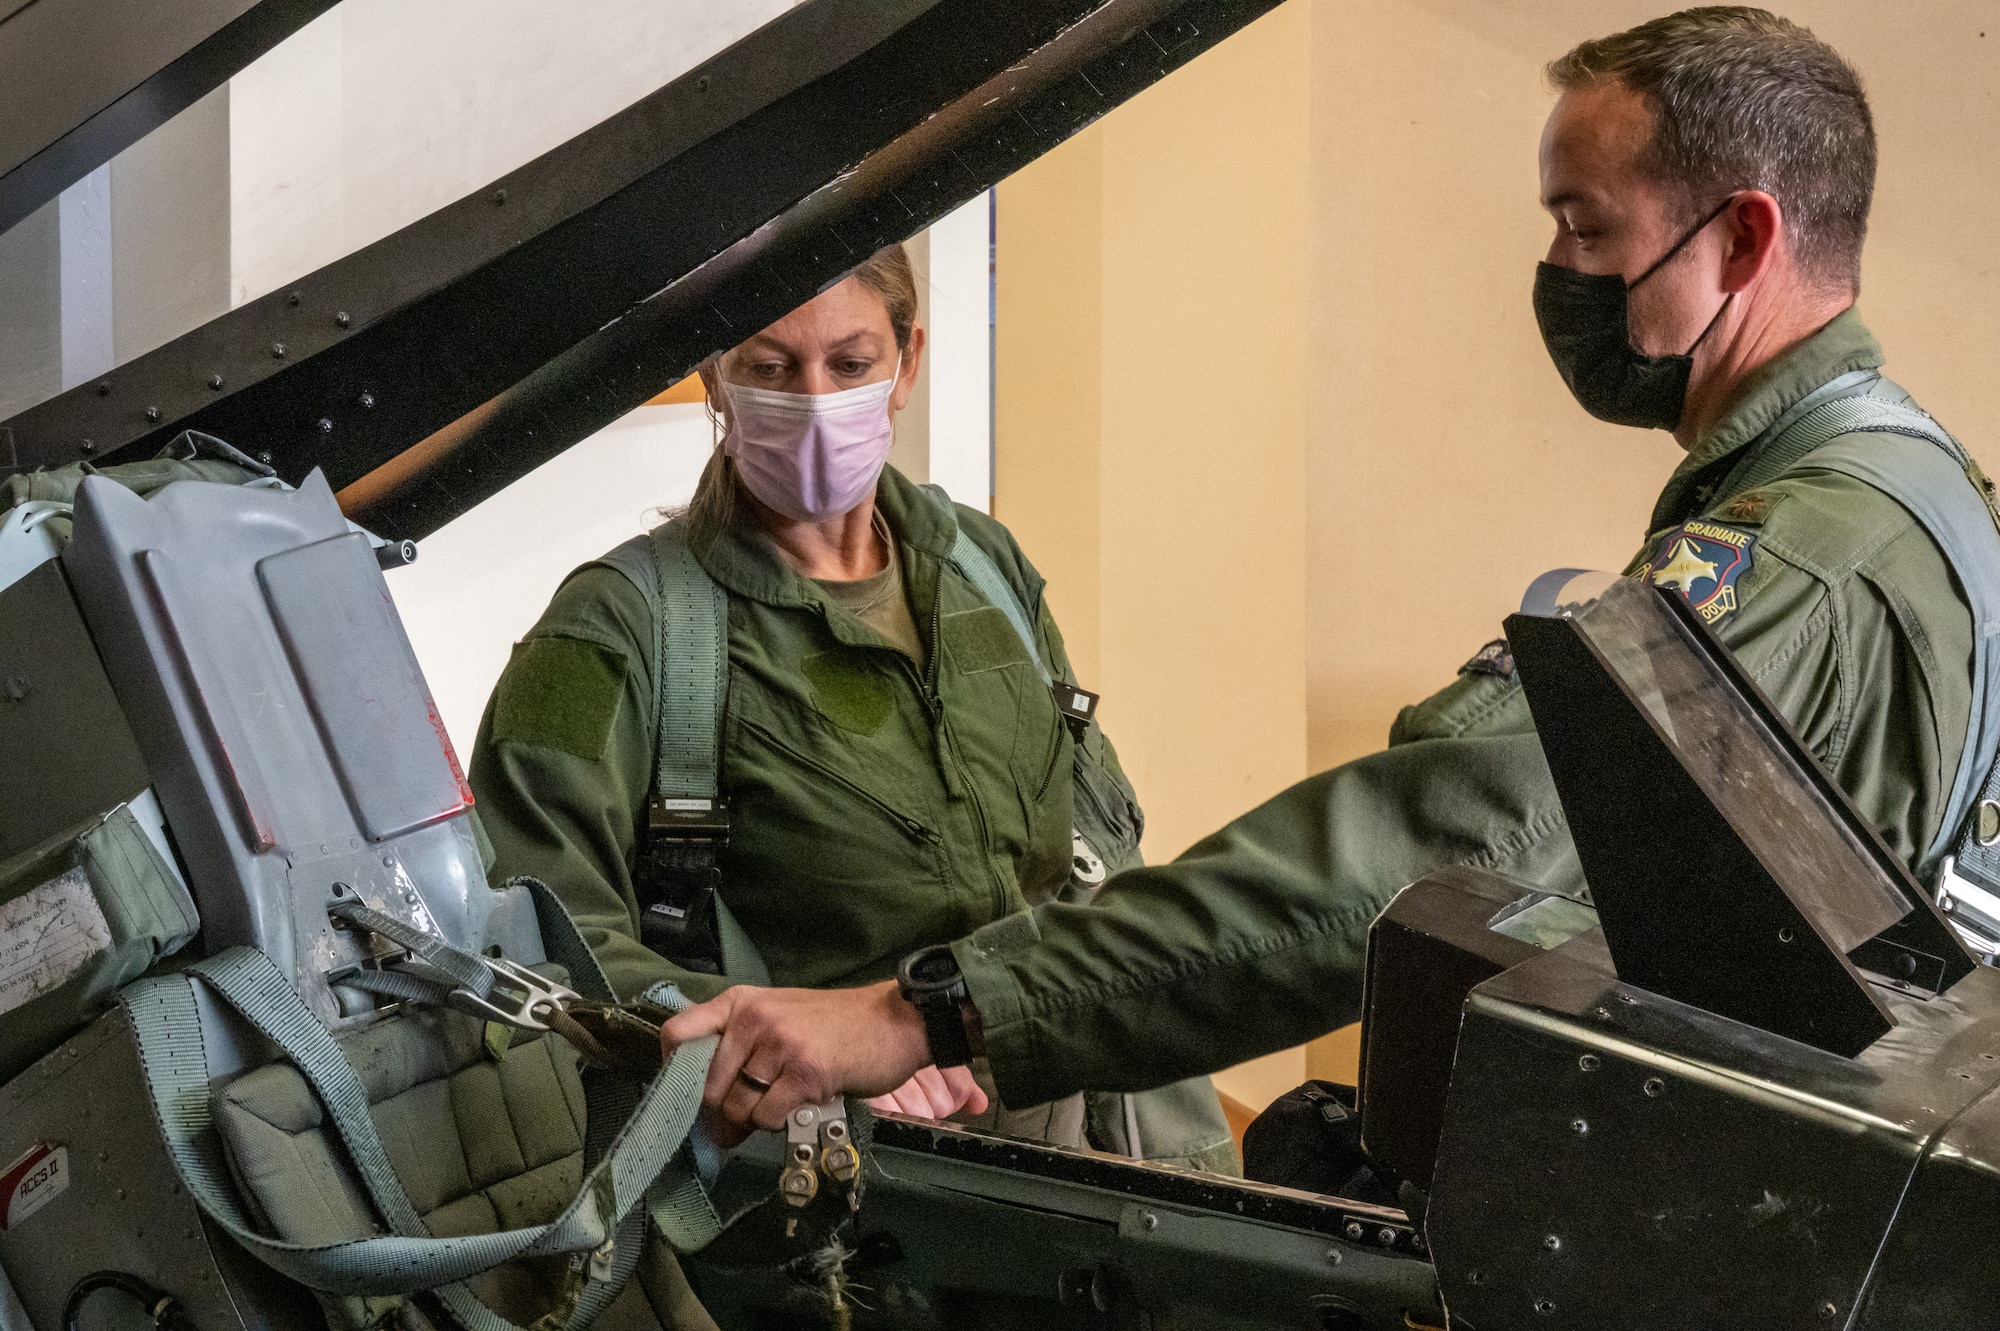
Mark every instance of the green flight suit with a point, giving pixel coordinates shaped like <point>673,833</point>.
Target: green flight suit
<point>875,807</point>
<point>1252,941</point>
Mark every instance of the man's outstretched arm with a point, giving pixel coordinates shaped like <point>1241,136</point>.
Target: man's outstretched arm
<point>1249,943</point>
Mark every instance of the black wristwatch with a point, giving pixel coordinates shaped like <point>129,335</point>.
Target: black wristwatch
<point>931,983</point>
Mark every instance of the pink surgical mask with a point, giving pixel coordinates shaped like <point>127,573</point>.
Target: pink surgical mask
<point>810,456</point>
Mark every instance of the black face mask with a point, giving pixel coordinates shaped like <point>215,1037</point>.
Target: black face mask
<point>1585,326</point>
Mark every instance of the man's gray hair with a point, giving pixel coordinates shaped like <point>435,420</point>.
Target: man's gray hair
<point>1744,99</point>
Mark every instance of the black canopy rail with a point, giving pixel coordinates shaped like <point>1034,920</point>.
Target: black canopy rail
<point>83,80</point>
<point>426,372</point>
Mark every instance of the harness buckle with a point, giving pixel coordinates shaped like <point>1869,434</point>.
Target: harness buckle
<point>692,822</point>
<point>519,998</point>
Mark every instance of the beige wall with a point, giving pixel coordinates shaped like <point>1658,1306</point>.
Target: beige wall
<point>1168,512</point>
<point>1151,427</point>
<point>1272,411</point>
<point>1449,465</point>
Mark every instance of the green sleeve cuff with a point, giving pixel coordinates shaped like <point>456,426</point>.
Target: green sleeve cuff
<point>984,959</point>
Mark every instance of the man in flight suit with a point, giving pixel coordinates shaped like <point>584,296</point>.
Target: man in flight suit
<point>1709,174</point>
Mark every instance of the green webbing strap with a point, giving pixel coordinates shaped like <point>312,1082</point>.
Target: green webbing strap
<point>978,568</point>
<point>167,1029</point>
<point>677,1202</point>
<point>1925,479</point>
<point>1858,414</point>
<point>1775,451</point>
<point>692,668</point>
<point>429,948</point>
<point>691,683</point>
<point>402,986</point>
<point>563,943</point>
<point>679,1207</point>
<point>1960,518</point>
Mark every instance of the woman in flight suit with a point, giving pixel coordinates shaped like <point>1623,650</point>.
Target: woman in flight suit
<point>895,769</point>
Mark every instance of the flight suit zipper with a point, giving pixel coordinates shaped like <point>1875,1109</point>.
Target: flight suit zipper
<point>1049,775</point>
<point>916,830</point>
<point>1055,757</point>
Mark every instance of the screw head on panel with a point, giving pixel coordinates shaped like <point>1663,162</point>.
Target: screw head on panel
<point>215,381</point>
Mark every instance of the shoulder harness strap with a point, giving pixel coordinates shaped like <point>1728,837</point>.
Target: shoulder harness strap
<point>687,820</point>
<point>1911,458</point>
<point>1077,705</point>
<point>977,567</point>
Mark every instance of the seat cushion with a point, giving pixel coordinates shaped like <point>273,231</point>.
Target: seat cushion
<point>482,1140</point>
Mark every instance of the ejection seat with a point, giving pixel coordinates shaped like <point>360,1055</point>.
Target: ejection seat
<point>224,771</point>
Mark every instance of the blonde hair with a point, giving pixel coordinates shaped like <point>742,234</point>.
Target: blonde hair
<point>888,274</point>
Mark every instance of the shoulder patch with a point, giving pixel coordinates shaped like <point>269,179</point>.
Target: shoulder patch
<point>561,693</point>
<point>1702,561</point>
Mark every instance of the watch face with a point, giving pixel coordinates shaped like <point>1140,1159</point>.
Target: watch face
<point>933,967</point>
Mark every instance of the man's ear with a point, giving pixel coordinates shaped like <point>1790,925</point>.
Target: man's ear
<point>1755,237</point>
<point>906,381</point>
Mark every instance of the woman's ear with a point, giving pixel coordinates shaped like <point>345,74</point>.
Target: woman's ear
<point>906,380</point>
<point>710,371</point>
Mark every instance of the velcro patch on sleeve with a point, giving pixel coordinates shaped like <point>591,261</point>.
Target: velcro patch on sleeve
<point>1702,560</point>
<point>561,693</point>
<point>982,639</point>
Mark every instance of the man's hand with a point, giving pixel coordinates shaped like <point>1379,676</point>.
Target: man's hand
<point>934,1093</point>
<point>782,1048</point>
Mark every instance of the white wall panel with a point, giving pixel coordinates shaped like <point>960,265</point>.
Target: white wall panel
<point>960,400</point>
<point>481,582</point>
<point>384,110</point>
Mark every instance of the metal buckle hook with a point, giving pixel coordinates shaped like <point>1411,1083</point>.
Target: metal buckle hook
<point>520,998</point>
